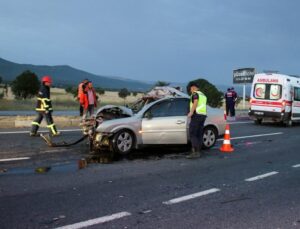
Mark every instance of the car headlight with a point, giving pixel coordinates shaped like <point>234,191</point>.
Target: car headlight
<point>98,137</point>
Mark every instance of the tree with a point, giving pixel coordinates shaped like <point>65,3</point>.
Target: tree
<point>134,93</point>
<point>161,83</point>
<point>25,85</point>
<point>123,93</point>
<point>0,79</point>
<point>214,96</point>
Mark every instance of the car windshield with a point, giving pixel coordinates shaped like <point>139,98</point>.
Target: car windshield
<point>139,104</point>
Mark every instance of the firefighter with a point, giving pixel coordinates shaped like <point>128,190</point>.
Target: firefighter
<point>198,115</point>
<point>44,108</point>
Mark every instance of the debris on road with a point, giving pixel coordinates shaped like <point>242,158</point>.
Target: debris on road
<point>82,163</point>
<point>3,170</point>
<point>42,169</point>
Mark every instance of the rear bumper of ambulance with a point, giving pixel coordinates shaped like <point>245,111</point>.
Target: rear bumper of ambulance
<point>268,115</point>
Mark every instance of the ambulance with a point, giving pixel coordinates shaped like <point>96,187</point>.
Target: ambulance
<point>275,97</point>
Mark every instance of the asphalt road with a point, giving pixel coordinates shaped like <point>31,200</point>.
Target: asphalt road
<point>256,186</point>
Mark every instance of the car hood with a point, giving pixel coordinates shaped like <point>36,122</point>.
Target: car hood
<point>110,108</point>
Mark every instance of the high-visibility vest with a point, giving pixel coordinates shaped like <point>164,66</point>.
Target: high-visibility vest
<point>201,106</point>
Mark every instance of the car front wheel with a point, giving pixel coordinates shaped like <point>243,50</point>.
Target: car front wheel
<point>123,142</point>
<point>209,137</point>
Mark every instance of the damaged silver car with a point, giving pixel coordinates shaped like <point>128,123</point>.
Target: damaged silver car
<point>159,118</point>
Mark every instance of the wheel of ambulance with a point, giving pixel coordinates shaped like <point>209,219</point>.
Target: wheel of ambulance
<point>123,142</point>
<point>210,135</point>
<point>258,121</point>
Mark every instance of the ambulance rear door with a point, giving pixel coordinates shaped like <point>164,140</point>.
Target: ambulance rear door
<point>296,104</point>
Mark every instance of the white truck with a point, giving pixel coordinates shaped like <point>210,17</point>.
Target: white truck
<point>275,97</point>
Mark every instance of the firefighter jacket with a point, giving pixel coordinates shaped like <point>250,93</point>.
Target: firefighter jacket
<point>43,100</point>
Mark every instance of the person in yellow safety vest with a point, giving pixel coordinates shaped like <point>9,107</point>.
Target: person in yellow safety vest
<point>198,115</point>
<point>44,108</point>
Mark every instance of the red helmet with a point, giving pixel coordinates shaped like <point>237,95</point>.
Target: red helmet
<point>46,79</point>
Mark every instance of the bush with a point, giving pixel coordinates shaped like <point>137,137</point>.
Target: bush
<point>72,90</point>
<point>100,90</point>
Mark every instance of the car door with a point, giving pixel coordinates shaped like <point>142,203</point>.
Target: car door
<point>296,104</point>
<point>166,122</point>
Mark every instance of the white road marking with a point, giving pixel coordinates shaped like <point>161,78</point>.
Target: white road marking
<point>15,132</point>
<point>55,151</point>
<point>261,176</point>
<point>96,221</point>
<point>191,196</point>
<point>296,166</point>
<point>27,132</point>
<point>239,122</point>
<point>71,130</point>
<point>253,136</point>
<point>15,159</point>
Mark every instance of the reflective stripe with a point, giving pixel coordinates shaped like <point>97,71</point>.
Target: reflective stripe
<point>227,132</point>
<point>52,127</point>
<point>35,123</point>
<point>226,142</point>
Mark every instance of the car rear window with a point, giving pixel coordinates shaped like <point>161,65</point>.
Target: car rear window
<point>267,91</point>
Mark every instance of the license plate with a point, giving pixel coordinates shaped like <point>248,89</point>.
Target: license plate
<point>258,113</point>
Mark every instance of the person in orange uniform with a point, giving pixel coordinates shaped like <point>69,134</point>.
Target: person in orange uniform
<point>81,87</point>
<point>88,100</point>
<point>44,108</point>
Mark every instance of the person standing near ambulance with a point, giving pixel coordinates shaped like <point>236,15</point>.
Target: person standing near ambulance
<point>234,97</point>
<point>198,115</point>
<point>230,100</point>
<point>44,108</point>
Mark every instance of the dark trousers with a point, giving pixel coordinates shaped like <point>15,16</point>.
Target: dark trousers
<point>230,107</point>
<point>80,110</point>
<point>196,130</point>
<point>39,118</point>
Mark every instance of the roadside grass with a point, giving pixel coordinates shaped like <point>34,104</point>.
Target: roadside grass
<point>29,104</point>
<point>62,100</point>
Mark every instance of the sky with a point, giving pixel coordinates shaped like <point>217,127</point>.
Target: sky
<point>154,40</point>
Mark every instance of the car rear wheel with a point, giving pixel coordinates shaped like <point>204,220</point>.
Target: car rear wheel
<point>123,142</point>
<point>209,137</point>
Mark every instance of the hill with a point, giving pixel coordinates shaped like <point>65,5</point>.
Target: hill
<point>64,75</point>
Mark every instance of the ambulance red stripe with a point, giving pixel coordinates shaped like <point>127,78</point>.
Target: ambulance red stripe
<point>270,103</point>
